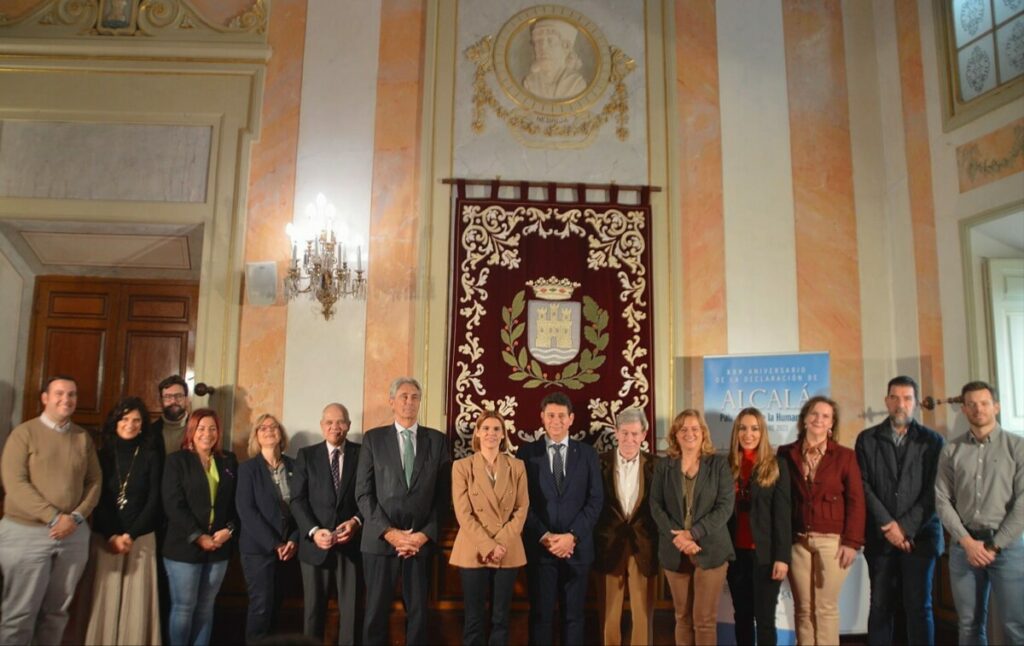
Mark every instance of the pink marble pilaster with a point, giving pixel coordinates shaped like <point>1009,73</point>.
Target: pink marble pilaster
<point>699,148</point>
<point>395,206</point>
<point>828,285</point>
<point>922,205</point>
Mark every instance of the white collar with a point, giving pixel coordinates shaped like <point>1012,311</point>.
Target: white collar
<point>61,428</point>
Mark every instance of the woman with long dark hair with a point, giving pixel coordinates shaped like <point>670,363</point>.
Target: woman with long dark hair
<point>761,528</point>
<point>125,605</point>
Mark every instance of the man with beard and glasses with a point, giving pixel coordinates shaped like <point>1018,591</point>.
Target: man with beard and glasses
<point>898,460</point>
<point>555,70</point>
<point>174,407</point>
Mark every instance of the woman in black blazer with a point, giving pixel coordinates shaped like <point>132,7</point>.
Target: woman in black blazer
<point>269,536</point>
<point>199,500</point>
<point>761,528</point>
<point>691,501</point>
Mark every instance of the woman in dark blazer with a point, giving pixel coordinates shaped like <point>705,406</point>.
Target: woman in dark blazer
<point>125,606</point>
<point>691,502</point>
<point>199,501</point>
<point>828,519</point>
<point>761,528</point>
<point>269,536</point>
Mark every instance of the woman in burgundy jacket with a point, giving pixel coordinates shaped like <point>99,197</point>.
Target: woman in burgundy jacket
<point>828,519</point>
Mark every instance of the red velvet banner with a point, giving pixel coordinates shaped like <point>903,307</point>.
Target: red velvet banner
<point>549,296</point>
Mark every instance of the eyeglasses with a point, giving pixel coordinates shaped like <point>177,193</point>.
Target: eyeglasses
<point>173,398</point>
<point>267,427</point>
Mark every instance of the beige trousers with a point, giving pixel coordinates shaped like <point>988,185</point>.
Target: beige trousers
<point>695,595</point>
<point>816,580</point>
<point>125,608</point>
<point>641,597</point>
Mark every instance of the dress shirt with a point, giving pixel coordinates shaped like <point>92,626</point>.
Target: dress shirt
<point>980,485</point>
<point>341,469</point>
<point>548,443</point>
<point>401,444</point>
<point>627,481</point>
<point>49,423</point>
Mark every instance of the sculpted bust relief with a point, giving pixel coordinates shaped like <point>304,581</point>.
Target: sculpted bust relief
<point>555,70</point>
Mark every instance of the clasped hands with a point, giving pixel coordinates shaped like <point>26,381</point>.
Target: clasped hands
<point>325,539</point>
<point>683,540</point>
<point>978,555</point>
<point>560,545</point>
<point>894,534</point>
<point>213,543</point>
<point>64,527</point>
<point>120,543</point>
<point>405,541</point>
<point>495,555</point>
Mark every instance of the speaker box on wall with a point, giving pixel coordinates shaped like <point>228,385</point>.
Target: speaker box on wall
<point>261,282</point>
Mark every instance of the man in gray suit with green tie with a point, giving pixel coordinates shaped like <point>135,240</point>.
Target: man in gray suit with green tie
<point>402,485</point>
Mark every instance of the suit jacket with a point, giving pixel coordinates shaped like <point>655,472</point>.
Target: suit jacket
<point>489,515</point>
<point>186,496</point>
<point>575,510</point>
<point>264,525</point>
<point>714,495</point>
<point>315,503</point>
<point>771,518</point>
<point>619,534</point>
<point>384,498</point>
<point>907,494</point>
<point>834,502</point>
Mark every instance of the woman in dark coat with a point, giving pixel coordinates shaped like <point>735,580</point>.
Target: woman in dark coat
<point>761,528</point>
<point>269,535</point>
<point>199,500</point>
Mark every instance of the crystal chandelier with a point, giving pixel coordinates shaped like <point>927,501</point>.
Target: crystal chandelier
<point>320,266</point>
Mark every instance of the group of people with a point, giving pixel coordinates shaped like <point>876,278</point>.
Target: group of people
<point>169,504</point>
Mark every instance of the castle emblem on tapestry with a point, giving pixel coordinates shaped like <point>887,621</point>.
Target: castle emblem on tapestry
<point>549,296</point>
<point>552,77</point>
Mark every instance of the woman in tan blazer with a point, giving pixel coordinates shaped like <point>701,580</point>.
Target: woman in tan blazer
<point>490,497</point>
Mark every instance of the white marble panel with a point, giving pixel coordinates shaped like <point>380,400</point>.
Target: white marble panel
<point>104,161</point>
<point>324,359</point>
<point>757,183</point>
<point>497,152</point>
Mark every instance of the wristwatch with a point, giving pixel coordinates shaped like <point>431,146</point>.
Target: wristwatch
<point>991,547</point>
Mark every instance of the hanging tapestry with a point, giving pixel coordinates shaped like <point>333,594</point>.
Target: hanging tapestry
<point>549,296</point>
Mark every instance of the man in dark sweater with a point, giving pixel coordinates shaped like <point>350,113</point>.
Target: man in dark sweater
<point>903,538</point>
<point>175,406</point>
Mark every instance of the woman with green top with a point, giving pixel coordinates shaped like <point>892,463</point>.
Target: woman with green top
<point>691,501</point>
<point>199,500</point>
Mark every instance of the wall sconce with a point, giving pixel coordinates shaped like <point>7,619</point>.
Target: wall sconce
<point>320,266</point>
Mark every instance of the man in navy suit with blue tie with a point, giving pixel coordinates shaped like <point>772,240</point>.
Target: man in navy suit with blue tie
<point>565,501</point>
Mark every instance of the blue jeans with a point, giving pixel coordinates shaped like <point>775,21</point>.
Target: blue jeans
<point>193,589</point>
<point>1004,578</point>
<point>907,577</point>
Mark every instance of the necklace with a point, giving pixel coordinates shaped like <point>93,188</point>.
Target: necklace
<point>122,498</point>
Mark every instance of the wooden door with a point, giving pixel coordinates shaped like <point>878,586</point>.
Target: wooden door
<point>115,337</point>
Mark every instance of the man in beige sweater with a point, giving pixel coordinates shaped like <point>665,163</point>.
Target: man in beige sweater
<point>52,478</point>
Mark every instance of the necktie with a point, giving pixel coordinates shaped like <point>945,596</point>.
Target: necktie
<point>557,466</point>
<point>408,457</point>
<point>335,470</point>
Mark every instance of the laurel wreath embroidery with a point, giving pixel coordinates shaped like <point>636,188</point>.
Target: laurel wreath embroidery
<point>575,374</point>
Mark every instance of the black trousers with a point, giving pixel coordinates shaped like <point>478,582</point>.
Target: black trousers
<point>316,583</point>
<point>754,597</point>
<point>261,578</point>
<point>475,584</point>
<point>382,573</point>
<point>557,582</point>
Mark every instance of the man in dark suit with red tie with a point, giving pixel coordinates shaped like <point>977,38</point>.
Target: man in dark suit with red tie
<point>403,485</point>
<point>324,506</point>
<point>565,501</point>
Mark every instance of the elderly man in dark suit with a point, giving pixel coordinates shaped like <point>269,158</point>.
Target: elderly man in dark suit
<point>403,484</point>
<point>324,505</point>
<point>899,460</point>
<point>565,501</point>
<point>625,536</point>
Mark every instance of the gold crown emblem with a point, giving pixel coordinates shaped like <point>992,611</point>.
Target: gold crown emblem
<point>553,289</point>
